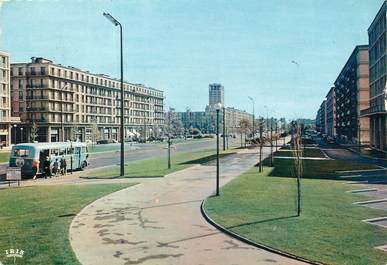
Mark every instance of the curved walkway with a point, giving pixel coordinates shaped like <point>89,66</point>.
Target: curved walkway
<point>159,222</point>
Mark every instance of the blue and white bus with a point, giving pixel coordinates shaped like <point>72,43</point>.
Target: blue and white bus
<point>31,156</point>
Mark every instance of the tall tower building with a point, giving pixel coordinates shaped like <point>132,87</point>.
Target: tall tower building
<point>216,94</point>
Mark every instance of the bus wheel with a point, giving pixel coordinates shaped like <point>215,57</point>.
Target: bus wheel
<point>84,165</point>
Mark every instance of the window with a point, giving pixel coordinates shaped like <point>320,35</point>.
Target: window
<point>21,153</point>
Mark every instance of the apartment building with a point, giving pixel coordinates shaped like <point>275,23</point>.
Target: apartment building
<point>377,110</point>
<point>352,96</point>
<point>321,118</point>
<point>331,112</point>
<point>6,120</point>
<point>70,103</point>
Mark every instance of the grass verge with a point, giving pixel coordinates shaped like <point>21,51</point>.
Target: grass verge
<point>4,157</point>
<point>37,220</point>
<point>307,152</point>
<point>156,167</point>
<point>262,208</point>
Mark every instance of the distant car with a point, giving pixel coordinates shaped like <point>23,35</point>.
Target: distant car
<point>331,141</point>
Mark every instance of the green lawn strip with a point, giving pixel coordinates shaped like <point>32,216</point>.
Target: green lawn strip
<point>30,220</point>
<point>4,157</point>
<point>261,207</point>
<point>156,167</point>
<point>323,169</point>
<point>307,152</point>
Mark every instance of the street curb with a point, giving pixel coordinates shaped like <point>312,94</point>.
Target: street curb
<point>252,243</point>
<point>366,156</point>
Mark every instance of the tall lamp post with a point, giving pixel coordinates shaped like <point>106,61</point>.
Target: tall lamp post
<point>217,108</point>
<point>252,101</point>
<point>14,129</point>
<point>224,128</point>
<point>116,23</point>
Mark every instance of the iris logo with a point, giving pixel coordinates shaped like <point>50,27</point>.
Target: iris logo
<point>13,254</point>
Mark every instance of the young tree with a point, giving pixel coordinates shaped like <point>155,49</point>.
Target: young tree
<point>34,132</point>
<point>74,133</point>
<point>244,128</point>
<point>297,161</point>
<point>95,135</point>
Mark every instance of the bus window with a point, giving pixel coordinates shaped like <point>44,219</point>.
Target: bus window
<point>21,153</point>
<point>62,152</point>
<point>70,151</point>
<point>55,152</point>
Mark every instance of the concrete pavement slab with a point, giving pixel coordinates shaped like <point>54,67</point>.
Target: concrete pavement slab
<point>159,222</point>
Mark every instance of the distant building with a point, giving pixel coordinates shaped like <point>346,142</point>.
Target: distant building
<point>206,121</point>
<point>352,96</point>
<point>216,94</point>
<point>64,101</point>
<point>377,111</point>
<point>6,120</point>
<point>321,119</point>
<point>193,119</point>
<point>331,112</point>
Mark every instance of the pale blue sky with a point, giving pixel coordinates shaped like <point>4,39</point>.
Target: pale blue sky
<point>181,46</point>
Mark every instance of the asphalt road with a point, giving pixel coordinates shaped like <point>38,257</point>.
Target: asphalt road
<point>137,152</point>
<point>341,153</point>
<point>144,151</point>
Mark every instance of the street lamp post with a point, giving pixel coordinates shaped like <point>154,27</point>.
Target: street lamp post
<point>260,144</point>
<point>116,23</point>
<point>271,142</point>
<point>217,107</point>
<point>252,101</point>
<point>14,130</point>
<point>21,134</point>
<point>224,128</point>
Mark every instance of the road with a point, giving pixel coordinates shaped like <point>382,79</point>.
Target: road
<point>143,151</point>
<point>137,152</point>
<point>341,153</point>
<point>159,222</point>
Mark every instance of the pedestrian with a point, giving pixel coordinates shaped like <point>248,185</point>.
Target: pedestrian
<point>63,166</point>
<point>47,167</point>
<point>55,167</point>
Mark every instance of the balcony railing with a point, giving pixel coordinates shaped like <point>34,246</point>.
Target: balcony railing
<point>36,86</point>
<point>36,97</point>
<point>34,109</point>
<point>373,110</point>
<point>36,73</point>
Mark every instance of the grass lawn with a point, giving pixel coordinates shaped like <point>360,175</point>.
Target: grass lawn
<point>262,208</point>
<point>156,167</point>
<point>4,157</point>
<point>307,152</point>
<point>37,220</point>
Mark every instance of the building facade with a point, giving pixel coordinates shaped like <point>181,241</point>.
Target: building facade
<point>377,111</point>
<point>193,119</point>
<point>216,94</point>
<point>331,112</point>
<point>321,118</point>
<point>67,103</point>
<point>352,96</point>
<point>6,120</point>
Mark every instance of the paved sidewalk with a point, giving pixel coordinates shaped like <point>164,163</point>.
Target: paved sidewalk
<point>159,222</point>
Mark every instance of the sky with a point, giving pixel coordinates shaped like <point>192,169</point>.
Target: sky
<point>284,54</point>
